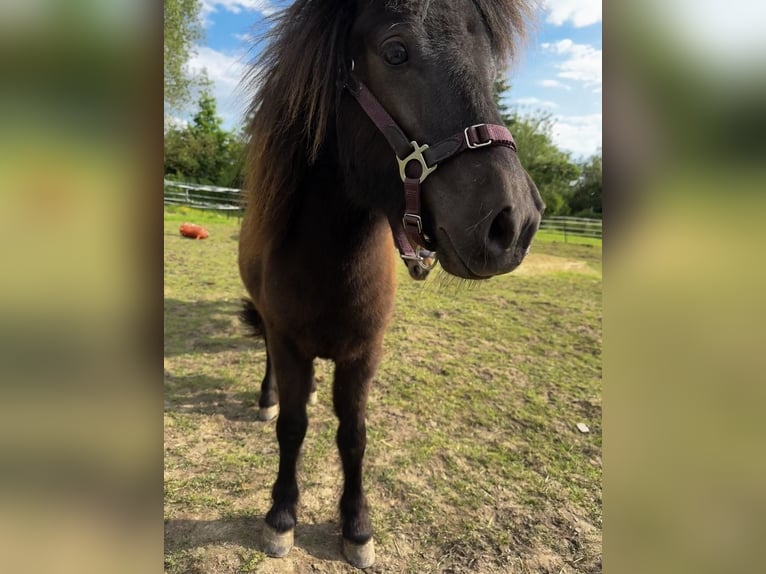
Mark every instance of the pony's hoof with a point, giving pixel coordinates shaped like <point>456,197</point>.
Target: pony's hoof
<point>359,555</point>
<point>276,544</point>
<point>313,398</point>
<point>268,413</point>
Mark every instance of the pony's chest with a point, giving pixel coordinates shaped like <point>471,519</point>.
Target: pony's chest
<point>333,308</point>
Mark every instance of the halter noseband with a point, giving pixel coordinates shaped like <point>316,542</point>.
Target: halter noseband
<point>408,235</point>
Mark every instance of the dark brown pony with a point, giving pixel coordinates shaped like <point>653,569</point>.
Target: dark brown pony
<point>316,250</point>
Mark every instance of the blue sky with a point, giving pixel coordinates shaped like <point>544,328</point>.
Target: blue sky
<point>557,71</point>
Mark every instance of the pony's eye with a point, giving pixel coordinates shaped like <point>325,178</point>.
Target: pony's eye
<point>394,53</point>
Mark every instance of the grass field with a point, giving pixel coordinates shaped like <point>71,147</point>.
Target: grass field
<point>474,462</point>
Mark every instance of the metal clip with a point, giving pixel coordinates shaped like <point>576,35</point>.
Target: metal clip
<point>423,257</point>
<point>427,259</point>
<point>421,263</point>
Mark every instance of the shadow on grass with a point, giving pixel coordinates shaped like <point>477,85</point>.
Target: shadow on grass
<point>193,327</point>
<point>322,541</point>
<point>201,394</point>
<point>209,327</point>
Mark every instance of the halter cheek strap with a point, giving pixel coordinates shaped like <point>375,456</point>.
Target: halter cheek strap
<point>416,163</point>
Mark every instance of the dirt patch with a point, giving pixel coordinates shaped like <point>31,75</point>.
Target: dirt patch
<point>537,264</point>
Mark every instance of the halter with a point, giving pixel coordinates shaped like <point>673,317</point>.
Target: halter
<point>416,162</point>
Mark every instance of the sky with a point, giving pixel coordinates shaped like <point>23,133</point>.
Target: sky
<point>557,71</point>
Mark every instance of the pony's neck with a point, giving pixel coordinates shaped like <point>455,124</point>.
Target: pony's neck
<point>326,199</point>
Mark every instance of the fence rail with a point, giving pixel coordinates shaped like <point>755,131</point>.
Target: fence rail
<point>576,226</point>
<point>198,196</point>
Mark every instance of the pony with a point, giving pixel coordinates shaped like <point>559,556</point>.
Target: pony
<point>373,126</point>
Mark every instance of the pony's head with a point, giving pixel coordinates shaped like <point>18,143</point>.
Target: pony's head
<point>432,67</point>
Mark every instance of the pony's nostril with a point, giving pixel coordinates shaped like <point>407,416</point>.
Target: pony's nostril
<point>501,231</point>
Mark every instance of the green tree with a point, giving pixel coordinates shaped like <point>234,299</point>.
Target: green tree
<point>501,87</point>
<point>551,169</point>
<point>182,30</point>
<point>586,199</point>
<point>203,152</point>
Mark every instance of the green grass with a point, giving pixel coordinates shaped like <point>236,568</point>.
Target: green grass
<point>181,214</point>
<point>557,236</point>
<point>473,461</point>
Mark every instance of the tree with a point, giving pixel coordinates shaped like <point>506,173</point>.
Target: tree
<point>500,88</point>
<point>552,170</point>
<point>586,199</point>
<point>182,30</point>
<point>203,152</point>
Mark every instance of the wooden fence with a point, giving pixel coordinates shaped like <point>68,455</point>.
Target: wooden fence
<point>577,226</point>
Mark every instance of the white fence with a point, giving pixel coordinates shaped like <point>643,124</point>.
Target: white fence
<point>199,196</point>
<point>577,226</point>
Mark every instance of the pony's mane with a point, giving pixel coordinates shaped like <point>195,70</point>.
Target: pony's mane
<point>507,21</point>
<point>295,90</point>
<point>295,80</point>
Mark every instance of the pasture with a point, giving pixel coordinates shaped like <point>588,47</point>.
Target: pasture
<point>474,462</point>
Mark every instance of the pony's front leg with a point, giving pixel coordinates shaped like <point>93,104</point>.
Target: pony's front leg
<point>352,382</point>
<point>293,375</point>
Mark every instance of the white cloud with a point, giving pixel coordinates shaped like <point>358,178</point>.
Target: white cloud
<point>555,84</point>
<point>536,102</point>
<point>226,72</point>
<point>580,12</point>
<point>582,63</point>
<point>221,68</point>
<point>265,7</point>
<point>580,135</point>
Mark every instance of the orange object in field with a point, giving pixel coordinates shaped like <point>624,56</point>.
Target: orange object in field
<point>193,231</point>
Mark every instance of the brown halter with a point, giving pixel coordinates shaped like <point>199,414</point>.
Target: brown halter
<point>416,163</point>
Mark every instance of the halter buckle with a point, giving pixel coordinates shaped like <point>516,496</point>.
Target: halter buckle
<point>412,219</point>
<point>416,155</point>
<point>468,141</point>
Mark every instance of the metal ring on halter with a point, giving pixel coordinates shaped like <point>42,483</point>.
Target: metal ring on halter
<point>423,257</point>
<point>416,155</point>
